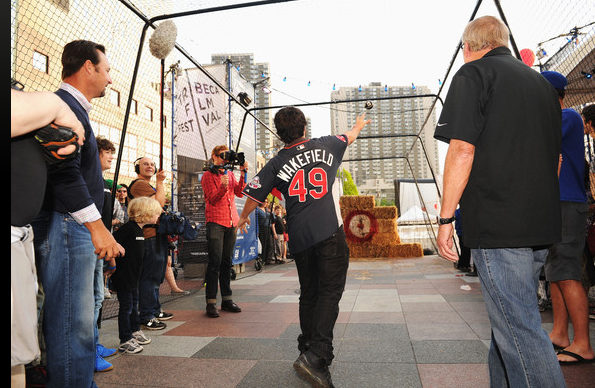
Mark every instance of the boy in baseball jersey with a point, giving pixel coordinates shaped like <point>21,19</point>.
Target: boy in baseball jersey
<point>304,172</point>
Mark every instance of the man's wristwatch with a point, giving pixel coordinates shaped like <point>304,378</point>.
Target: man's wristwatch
<point>443,221</point>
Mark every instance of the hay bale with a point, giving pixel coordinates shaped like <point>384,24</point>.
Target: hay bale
<point>345,211</point>
<point>387,226</point>
<point>385,239</point>
<point>385,212</point>
<point>407,250</point>
<point>361,250</point>
<point>356,251</point>
<point>369,251</point>
<point>357,201</point>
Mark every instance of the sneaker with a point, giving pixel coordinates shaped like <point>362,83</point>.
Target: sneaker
<point>106,293</point>
<point>130,346</point>
<point>544,304</point>
<point>313,369</point>
<point>141,338</point>
<point>153,324</point>
<point>101,365</point>
<point>102,351</point>
<point>163,316</point>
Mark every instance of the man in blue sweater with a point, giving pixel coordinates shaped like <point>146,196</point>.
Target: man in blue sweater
<point>69,233</point>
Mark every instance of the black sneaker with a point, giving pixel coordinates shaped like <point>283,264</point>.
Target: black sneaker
<point>163,316</point>
<point>153,324</point>
<point>313,369</point>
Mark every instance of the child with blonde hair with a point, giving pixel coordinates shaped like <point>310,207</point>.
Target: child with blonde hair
<point>141,211</point>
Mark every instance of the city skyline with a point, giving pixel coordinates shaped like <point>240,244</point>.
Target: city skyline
<point>313,46</point>
<point>390,148</point>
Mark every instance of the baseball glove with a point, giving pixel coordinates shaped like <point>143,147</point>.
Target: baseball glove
<point>52,137</point>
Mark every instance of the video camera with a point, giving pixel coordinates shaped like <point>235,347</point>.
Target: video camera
<point>231,159</point>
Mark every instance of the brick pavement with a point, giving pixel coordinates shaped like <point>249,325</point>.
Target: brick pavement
<point>403,323</point>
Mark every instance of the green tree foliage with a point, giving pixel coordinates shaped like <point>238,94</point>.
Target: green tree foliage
<point>349,187</point>
<point>387,202</point>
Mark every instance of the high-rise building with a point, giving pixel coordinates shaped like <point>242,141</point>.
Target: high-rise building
<point>258,75</point>
<point>394,150</point>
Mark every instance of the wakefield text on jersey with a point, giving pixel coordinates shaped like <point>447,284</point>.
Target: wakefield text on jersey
<point>300,160</point>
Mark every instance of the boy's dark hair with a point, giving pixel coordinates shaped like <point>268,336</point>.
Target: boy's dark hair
<point>105,145</point>
<point>290,123</point>
<point>76,53</point>
<point>588,114</point>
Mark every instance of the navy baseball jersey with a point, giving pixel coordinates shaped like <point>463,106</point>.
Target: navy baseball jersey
<point>305,173</point>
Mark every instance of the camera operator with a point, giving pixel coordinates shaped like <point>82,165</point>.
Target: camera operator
<point>219,187</point>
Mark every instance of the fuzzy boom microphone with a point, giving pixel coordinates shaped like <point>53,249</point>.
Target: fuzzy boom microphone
<point>163,39</point>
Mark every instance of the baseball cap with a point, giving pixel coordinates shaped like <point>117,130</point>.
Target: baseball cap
<point>557,80</point>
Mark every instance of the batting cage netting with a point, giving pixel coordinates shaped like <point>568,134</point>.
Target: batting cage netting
<point>178,92</point>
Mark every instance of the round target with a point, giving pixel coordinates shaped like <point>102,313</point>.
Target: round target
<point>360,226</point>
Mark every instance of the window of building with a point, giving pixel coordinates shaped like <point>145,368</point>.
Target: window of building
<point>148,113</point>
<point>114,97</point>
<point>40,62</point>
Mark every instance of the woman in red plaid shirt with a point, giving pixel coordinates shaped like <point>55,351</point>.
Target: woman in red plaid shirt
<point>220,187</point>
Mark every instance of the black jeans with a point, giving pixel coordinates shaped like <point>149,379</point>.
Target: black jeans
<point>128,319</point>
<point>221,242</point>
<point>267,241</point>
<point>322,271</point>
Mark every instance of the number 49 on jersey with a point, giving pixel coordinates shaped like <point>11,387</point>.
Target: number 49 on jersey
<point>315,179</point>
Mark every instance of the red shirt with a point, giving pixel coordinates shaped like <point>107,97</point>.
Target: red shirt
<point>220,202</point>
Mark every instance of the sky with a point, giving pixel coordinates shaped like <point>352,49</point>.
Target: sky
<point>351,42</point>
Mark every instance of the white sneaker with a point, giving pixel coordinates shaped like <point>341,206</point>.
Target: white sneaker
<point>141,338</point>
<point>130,346</point>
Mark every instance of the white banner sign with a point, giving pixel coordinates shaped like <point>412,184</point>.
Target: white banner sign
<point>201,112</point>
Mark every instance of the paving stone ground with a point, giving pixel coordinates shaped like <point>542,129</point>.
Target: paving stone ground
<point>403,323</point>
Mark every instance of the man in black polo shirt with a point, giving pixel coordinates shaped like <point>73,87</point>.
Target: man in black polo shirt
<point>503,126</point>
<point>304,172</point>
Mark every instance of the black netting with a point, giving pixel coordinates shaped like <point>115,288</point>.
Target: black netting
<point>176,109</point>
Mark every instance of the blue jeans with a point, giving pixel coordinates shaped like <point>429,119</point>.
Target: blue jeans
<point>322,271</point>
<point>151,277</point>
<point>221,242</point>
<point>66,265</point>
<point>98,290</point>
<point>521,353</point>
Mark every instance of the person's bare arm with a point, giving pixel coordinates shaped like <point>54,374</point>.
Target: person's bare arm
<point>360,123</point>
<point>249,207</point>
<point>106,246</point>
<point>457,168</point>
<point>32,110</point>
<point>160,188</point>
